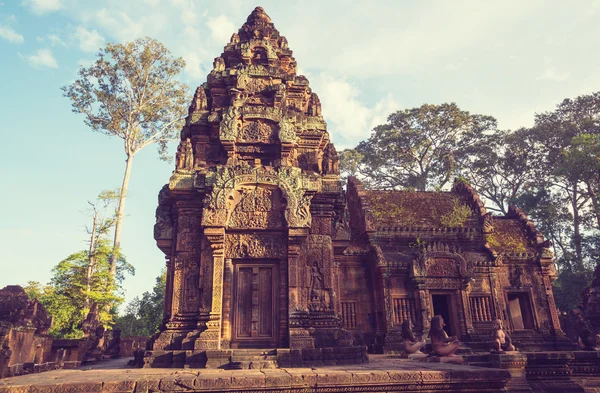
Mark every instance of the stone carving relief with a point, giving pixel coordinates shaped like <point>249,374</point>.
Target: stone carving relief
<point>255,245</point>
<point>297,189</point>
<point>317,287</point>
<point>258,132</point>
<point>163,229</point>
<point>200,101</point>
<point>191,287</point>
<point>257,207</point>
<point>219,64</point>
<point>319,270</point>
<point>188,233</point>
<point>330,161</point>
<point>249,49</point>
<point>442,268</point>
<point>287,131</point>
<point>185,156</point>
<point>230,124</point>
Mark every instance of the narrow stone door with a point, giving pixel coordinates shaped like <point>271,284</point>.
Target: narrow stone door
<point>255,305</point>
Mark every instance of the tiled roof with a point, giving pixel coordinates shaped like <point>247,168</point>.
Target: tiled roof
<point>509,236</point>
<point>419,209</point>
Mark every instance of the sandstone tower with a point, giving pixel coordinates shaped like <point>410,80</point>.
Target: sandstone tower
<point>248,218</point>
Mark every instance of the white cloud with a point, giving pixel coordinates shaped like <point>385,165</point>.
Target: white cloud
<point>349,118</point>
<point>221,29</point>
<point>42,58</point>
<point>56,40</point>
<point>89,41</point>
<point>552,74</point>
<point>120,24</point>
<point>9,34</point>
<point>41,7</point>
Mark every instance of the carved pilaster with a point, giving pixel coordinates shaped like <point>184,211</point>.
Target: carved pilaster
<point>556,329</point>
<point>210,338</point>
<point>168,305</point>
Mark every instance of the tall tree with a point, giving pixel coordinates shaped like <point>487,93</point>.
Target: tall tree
<point>561,134</point>
<point>66,294</point>
<point>144,315</point>
<point>500,167</point>
<point>102,222</point>
<point>418,148</point>
<point>131,92</point>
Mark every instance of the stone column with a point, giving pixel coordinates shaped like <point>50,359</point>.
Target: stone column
<point>556,329</point>
<point>168,306</point>
<point>299,336</point>
<point>211,337</point>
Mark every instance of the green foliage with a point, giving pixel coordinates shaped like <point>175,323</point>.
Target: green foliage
<point>388,209</point>
<point>457,217</point>
<point>130,91</point>
<point>144,315</point>
<point>65,296</point>
<point>568,287</point>
<point>551,171</point>
<point>420,147</point>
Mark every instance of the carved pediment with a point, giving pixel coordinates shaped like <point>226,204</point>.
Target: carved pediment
<point>256,208</point>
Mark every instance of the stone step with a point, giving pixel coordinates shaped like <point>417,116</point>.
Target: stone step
<point>251,365</point>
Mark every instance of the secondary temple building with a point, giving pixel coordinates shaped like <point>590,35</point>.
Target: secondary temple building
<point>266,250</point>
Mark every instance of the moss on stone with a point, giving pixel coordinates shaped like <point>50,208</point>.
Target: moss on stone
<point>457,217</point>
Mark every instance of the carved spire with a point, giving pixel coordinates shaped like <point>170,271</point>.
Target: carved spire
<point>253,96</point>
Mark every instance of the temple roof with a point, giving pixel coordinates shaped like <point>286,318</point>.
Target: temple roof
<point>419,209</point>
<point>509,236</point>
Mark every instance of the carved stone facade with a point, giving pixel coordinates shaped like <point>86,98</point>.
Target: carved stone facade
<point>418,255</point>
<point>264,249</point>
<point>248,217</point>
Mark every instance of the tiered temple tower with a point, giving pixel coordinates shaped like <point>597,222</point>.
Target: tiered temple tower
<point>263,253</point>
<point>248,217</point>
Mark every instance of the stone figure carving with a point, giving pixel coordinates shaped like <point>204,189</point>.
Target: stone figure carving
<point>441,344</point>
<point>330,160</point>
<point>317,287</point>
<point>502,341</point>
<point>185,155</point>
<point>410,344</point>
<point>191,284</point>
<point>230,124</point>
<point>219,64</point>
<point>287,131</point>
<point>515,277</point>
<point>588,340</point>
<point>200,102</point>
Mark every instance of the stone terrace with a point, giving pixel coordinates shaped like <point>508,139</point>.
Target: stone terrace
<point>382,374</point>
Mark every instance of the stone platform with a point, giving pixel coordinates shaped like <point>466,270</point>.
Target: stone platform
<point>381,374</point>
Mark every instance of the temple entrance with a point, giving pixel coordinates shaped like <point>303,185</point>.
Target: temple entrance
<point>442,305</point>
<point>519,310</point>
<point>254,308</point>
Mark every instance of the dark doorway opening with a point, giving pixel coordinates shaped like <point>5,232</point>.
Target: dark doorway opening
<point>520,312</point>
<point>441,306</point>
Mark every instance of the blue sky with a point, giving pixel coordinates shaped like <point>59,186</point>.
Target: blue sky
<point>365,59</point>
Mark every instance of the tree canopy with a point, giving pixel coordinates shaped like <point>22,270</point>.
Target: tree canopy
<point>132,92</point>
<point>551,171</point>
<point>418,148</point>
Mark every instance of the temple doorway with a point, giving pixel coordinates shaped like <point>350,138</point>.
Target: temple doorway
<point>254,308</point>
<point>442,305</point>
<point>519,310</point>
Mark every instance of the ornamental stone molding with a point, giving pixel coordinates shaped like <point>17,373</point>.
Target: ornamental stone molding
<point>297,187</point>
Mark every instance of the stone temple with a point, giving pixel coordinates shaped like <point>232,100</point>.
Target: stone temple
<point>268,255</point>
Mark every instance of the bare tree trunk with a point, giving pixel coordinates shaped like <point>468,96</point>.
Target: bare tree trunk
<point>595,205</point>
<point>577,227</point>
<point>119,218</point>
<point>91,258</point>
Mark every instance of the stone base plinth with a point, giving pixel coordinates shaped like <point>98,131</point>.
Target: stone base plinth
<point>384,374</point>
<point>254,358</point>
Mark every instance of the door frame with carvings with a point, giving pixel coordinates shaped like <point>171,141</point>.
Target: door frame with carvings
<point>256,342</point>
